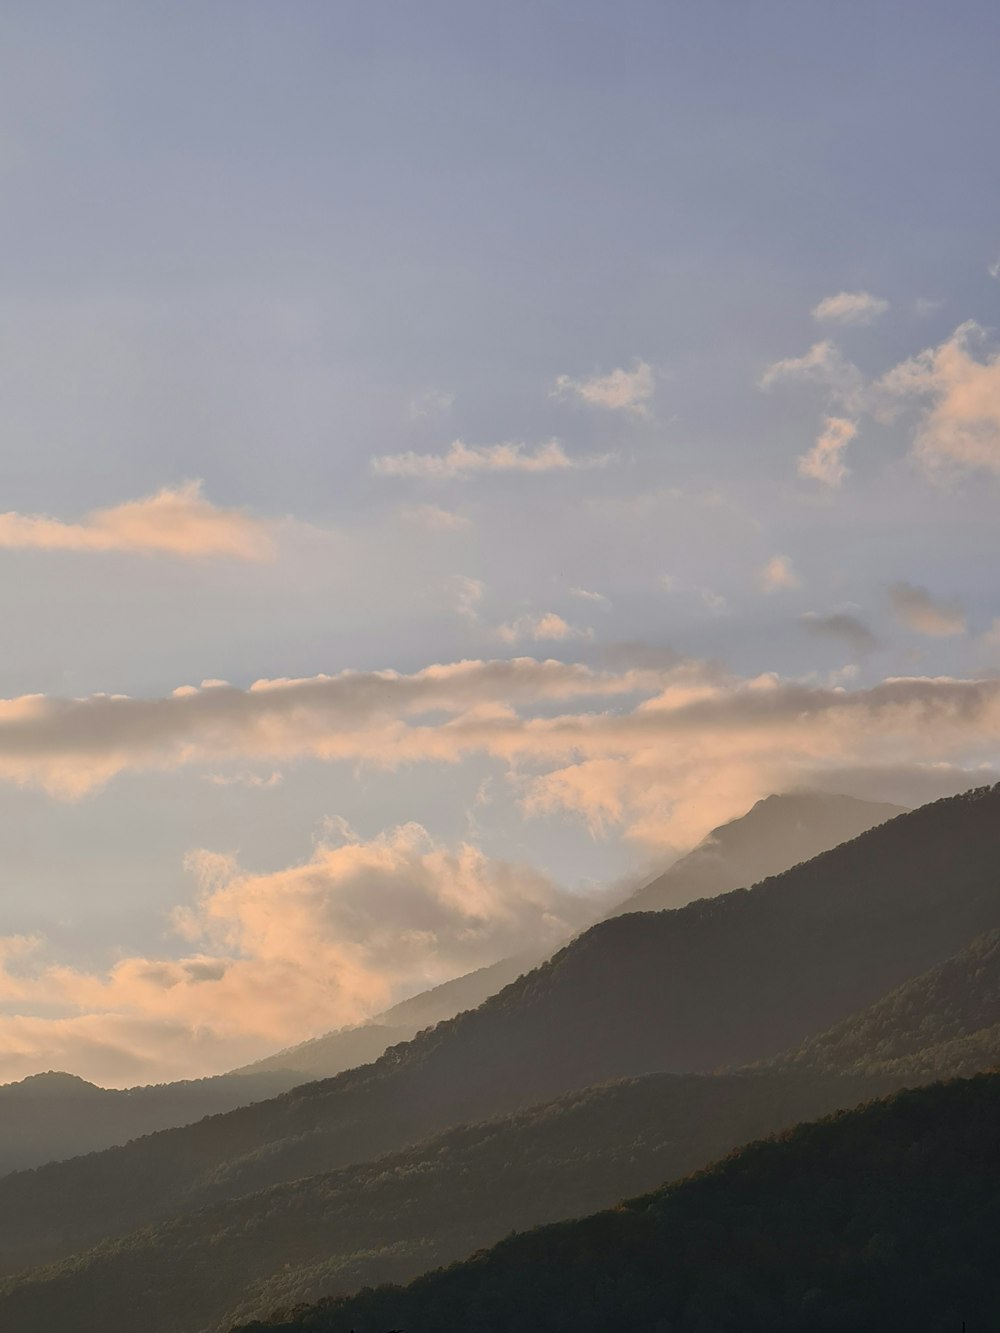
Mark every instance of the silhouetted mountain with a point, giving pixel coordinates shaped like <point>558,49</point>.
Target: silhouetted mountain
<point>776,834</point>
<point>393,1218</point>
<point>881,1218</point>
<point>943,1023</point>
<point>718,983</point>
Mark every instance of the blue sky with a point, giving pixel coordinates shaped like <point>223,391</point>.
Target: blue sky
<point>263,247</point>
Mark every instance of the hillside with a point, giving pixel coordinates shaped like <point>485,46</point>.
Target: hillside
<point>718,983</point>
<point>393,1218</point>
<point>881,1218</point>
<point>54,1115</point>
<point>777,833</point>
<point>943,1023</point>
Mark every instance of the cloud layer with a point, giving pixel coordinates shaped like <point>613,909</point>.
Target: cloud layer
<point>850,308</point>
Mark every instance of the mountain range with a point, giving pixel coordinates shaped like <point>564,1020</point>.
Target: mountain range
<point>56,1115</point>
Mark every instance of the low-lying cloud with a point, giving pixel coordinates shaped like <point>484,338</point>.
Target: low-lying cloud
<point>329,942</point>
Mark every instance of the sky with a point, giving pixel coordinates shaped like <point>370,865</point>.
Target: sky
<point>455,456</point>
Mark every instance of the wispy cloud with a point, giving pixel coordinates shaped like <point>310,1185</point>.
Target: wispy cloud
<point>824,462</point>
<point>430,403</point>
<point>436,519</point>
<point>462,460</point>
<point>177,522</point>
<point>844,626</point>
<point>778,573</point>
<point>548,625</point>
<point>915,608</point>
<point>850,308</point>
<point>626,391</point>
<point>823,364</point>
<point>586,595</point>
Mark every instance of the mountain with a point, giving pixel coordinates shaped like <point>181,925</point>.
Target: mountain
<point>393,1218</point>
<point>322,1057</point>
<point>777,833</point>
<point>943,1023</point>
<point>881,1218</point>
<point>721,982</point>
<point>53,1115</point>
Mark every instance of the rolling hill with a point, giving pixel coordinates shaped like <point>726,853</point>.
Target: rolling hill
<point>399,1215</point>
<point>881,1218</point>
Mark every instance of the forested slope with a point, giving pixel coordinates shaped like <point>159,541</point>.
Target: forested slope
<point>881,1218</point>
<point>718,983</point>
<point>393,1218</point>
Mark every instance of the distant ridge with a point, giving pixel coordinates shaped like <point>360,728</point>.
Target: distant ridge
<point>777,833</point>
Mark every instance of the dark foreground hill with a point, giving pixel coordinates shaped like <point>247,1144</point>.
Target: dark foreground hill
<point>393,1218</point>
<point>777,833</point>
<point>881,1218</point>
<point>718,983</point>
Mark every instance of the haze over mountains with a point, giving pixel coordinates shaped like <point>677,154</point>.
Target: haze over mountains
<point>54,1116</point>
<point>724,982</point>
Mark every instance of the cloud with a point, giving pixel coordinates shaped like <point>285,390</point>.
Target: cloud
<point>430,403</point>
<point>841,625</point>
<point>469,594</point>
<point>178,522</point>
<point>622,391</point>
<point>778,573</point>
<point>436,519</point>
<point>850,308</point>
<point>586,595</point>
<point>663,751</point>
<point>994,269</point>
<point>545,626</point>
<point>824,461</point>
<point>916,609</point>
<point>823,364</point>
<point>326,942</point>
<point>462,460</point>
<point>960,426</point>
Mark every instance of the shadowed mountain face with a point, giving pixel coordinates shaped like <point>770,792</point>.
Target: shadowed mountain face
<point>945,1022</point>
<point>883,1218</point>
<point>779,832</point>
<point>393,1218</point>
<point>718,983</point>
